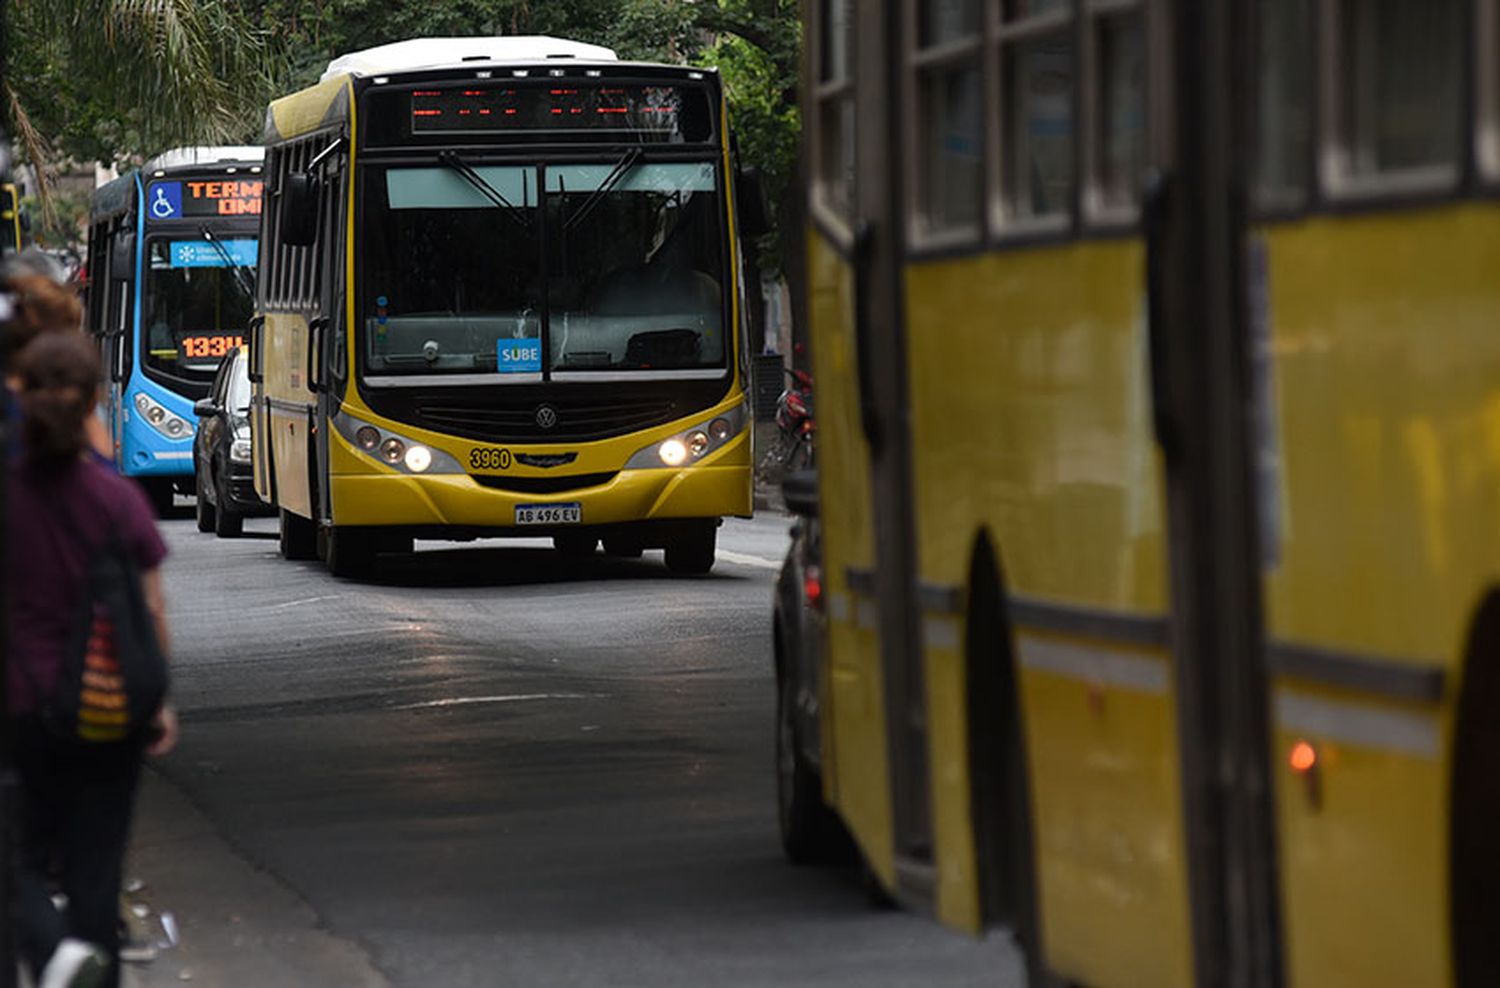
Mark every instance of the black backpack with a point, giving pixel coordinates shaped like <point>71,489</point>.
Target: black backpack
<point>114,674</point>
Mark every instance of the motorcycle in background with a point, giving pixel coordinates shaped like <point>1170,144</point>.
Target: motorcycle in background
<point>795,430</point>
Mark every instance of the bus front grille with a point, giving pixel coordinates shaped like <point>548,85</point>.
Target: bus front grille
<point>544,485</point>
<point>571,419</point>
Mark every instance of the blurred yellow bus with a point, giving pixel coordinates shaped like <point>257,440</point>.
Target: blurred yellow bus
<point>501,295</point>
<point>12,217</point>
<point>1159,398</point>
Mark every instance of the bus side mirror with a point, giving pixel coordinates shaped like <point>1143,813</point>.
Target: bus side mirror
<point>755,218</point>
<point>122,256</point>
<point>299,209</point>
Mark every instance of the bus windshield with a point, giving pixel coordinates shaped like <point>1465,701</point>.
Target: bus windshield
<point>455,280</point>
<point>197,306</point>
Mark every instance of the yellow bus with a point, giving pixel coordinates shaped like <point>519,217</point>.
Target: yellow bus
<point>1159,398</point>
<point>500,296</point>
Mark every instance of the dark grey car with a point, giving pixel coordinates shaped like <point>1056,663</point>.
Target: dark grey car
<point>224,482</point>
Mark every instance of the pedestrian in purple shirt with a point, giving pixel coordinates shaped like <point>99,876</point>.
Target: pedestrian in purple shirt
<point>76,797</point>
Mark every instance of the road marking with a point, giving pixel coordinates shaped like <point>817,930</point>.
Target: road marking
<point>745,560</point>
<point>460,701</point>
<point>304,600</point>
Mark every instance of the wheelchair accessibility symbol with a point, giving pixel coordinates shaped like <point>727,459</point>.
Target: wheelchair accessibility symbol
<point>166,200</point>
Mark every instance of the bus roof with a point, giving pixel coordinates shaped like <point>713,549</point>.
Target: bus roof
<point>434,53</point>
<point>191,156</point>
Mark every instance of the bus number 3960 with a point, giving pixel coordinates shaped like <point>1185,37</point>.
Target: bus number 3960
<point>485,458</point>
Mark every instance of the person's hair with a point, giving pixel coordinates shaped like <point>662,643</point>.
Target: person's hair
<point>59,374</point>
<point>38,305</point>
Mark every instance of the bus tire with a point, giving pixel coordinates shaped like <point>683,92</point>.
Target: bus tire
<point>810,832</point>
<point>575,545</point>
<point>206,513</point>
<point>1474,856</point>
<point>298,537</point>
<point>350,553</point>
<point>692,552</point>
<point>621,547</point>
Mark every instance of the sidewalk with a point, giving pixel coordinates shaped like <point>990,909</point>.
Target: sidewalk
<point>236,925</point>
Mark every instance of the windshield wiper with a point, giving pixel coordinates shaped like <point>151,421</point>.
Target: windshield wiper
<point>484,188</point>
<point>235,269</point>
<point>618,172</point>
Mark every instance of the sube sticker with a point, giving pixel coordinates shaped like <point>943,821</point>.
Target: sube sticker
<point>518,356</point>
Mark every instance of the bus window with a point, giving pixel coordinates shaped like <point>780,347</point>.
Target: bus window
<point>1284,111</point>
<point>636,272</point>
<point>1038,76</point>
<point>1121,101</point>
<point>1401,84</point>
<point>196,309</point>
<point>835,107</point>
<point>950,109</point>
<point>449,271</point>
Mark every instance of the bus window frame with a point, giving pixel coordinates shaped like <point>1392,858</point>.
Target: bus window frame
<point>1335,178</point>
<point>1486,55</point>
<point>1008,34</point>
<point>829,92</point>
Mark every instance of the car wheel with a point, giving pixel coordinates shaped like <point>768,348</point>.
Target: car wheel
<point>350,554</point>
<point>574,544</point>
<point>206,513</point>
<point>810,833</point>
<point>692,553</point>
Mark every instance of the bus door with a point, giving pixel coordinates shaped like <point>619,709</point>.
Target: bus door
<point>325,329</point>
<point>1200,345</point>
<point>116,279</point>
<point>875,761</point>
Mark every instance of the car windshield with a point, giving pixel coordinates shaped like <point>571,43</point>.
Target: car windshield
<point>196,309</point>
<point>454,278</point>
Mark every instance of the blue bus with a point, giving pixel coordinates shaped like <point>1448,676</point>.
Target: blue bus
<point>171,276</point>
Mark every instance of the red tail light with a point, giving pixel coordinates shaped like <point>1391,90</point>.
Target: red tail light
<point>812,587</point>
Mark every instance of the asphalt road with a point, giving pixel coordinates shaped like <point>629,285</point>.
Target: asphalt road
<point>489,767</point>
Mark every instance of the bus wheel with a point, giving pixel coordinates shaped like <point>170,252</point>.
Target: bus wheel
<point>160,491</point>
<point>692,552</point>
<point>351,554</point>
<point>810,833</point>
<point>205,512</point>
<point>299,537</point>
<point>623,548</point>
<point>574,544</point>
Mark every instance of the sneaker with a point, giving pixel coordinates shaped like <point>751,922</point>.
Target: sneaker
<point>75,964</point>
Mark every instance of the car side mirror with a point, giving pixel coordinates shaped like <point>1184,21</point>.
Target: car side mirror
<point>800,491</point>
<point>755,217</point>
<point>205,408</point>
<point>299,209</point>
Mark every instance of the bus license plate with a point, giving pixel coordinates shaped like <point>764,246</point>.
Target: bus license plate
<point>549,514</point>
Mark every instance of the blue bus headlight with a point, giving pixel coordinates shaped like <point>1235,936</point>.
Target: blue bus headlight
<point>163,421</point>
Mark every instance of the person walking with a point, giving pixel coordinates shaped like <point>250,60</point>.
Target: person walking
<point>77,796</point>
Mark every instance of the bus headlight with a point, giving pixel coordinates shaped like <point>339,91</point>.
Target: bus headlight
<point>418,459</point>
<point>156,415</point>
<point>406,455</point>
<point>691,444</point>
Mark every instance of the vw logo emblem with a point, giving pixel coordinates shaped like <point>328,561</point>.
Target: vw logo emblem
<point>546,416</point>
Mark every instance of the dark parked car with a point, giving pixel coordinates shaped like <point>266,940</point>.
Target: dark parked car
<point>221,452</point>
<point>810,831</point>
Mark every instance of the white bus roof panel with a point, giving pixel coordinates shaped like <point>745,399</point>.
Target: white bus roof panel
<point>433,53</point>
<point>179,157</point>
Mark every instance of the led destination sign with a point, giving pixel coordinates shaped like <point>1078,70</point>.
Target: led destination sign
<point>207,197</point>
<point>572,106</point>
